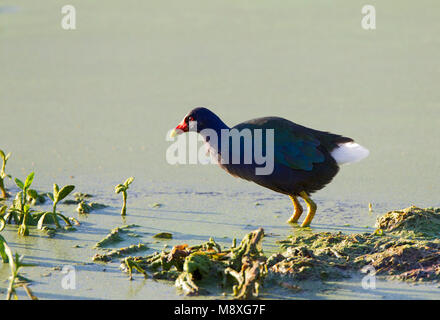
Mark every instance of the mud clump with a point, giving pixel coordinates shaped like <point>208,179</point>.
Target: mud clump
<point>411,222</point>
<point>321,256</point>
<point>410,260</point>
<point>115,235</point>
<point>107,257</point>
<point>206,267</point>
<point>406,248</point>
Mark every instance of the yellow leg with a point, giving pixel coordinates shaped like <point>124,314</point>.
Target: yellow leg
<point>298,210</point>
<point>311,209</point>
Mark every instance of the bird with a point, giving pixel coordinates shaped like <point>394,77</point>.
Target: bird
<point>305,160</point>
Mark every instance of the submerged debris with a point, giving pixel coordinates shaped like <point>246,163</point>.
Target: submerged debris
<point>106,257</point>
<point>114,235</point>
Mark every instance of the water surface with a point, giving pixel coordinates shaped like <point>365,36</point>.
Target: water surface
<point>92,107</point>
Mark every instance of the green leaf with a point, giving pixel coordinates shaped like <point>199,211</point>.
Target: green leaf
<point>65,219</point>
<point>41,220</point>
<point>3,254</point>
<point>32,193</point>
<point>2,224</point>
<point>2,154</point>
<point>119,188</point>
<point>29,180</point>
<point>10,258</point>
<point>64,192</point>
<point>128,181</point>
<point>19,183</point>
<point>8,156</point>
<point>56,189</point>
<point>50,195</point>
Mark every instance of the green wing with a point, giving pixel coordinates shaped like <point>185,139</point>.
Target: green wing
<point>294,146</point>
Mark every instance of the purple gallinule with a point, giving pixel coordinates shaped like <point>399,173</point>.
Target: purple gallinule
<point>304,159</point>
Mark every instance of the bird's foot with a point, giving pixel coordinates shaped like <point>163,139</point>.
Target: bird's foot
<point>292,220</point>
<point>305,224</point>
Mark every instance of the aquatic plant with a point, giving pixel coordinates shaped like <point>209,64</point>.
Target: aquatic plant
<point>196,269</point>
<point>122,188</point>
<point>3,174</point>
<point>2,220</point>
<point>15,263</point>
<point>131,264</point>
<point>20,209</point>
<point>57,195</point>
<point>21,197</point>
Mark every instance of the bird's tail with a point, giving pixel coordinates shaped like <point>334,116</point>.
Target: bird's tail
<point>349,152</point>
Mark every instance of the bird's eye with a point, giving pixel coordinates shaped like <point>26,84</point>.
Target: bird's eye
<point>190,119</point>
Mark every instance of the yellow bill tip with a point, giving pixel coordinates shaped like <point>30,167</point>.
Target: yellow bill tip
<point>173,133</point>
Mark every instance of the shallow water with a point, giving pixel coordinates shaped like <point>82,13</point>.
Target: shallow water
<point>92,107</point>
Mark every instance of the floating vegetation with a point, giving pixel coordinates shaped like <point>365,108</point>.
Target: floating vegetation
<point>3,175</point>
<point>122,188</point>
<point>114,236</point>
<point>106,257</point>
<point>163,235</point>
<point>52,216</point>
<point>200,268</point>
